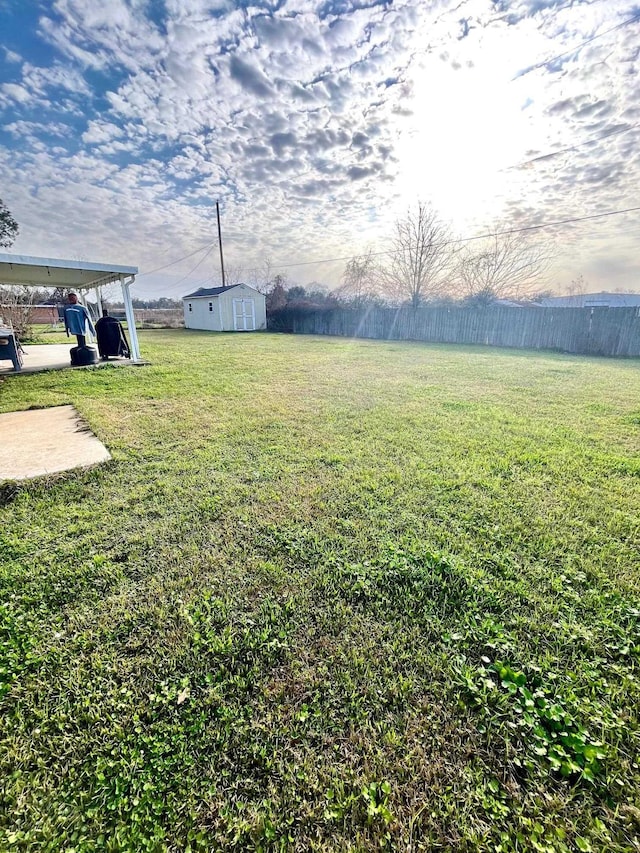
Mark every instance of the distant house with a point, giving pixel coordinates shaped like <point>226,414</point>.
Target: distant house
<point>44,314</point>
<point>36,313</point>
<point>236,308</point>
<point>593,300</point>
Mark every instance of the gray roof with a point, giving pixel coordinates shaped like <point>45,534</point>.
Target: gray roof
<point>210,291</point>
<point>593,300</point>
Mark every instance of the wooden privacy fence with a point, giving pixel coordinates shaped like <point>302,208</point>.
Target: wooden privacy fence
<point>588,331</point>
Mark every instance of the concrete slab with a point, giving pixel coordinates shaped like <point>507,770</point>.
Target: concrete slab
<point>38,442</point>
<point>51,357</point>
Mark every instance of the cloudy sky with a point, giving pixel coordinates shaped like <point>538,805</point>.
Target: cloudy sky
<point>316,123</point>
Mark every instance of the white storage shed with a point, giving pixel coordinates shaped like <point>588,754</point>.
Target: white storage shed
<point>235,308</point>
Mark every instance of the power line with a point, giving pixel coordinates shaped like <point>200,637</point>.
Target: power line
<point>577,47</point>
<point>358,154</point>
<point>177,261</point>
<point>553,224</point>
<point>175,284</point>
<point>468,239</point>
<point>552,154</point>
<point>539,158</point>
<point>484,236</point>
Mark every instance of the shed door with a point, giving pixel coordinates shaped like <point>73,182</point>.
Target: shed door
<point>244,315</point>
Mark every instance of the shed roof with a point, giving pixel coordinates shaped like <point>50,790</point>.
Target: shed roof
<point>55,272</point>
<point>210,291</point>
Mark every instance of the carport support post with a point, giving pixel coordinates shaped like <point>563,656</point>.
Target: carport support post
<point>131,322</point>
<point>96,290</point>
<point>82,298</point>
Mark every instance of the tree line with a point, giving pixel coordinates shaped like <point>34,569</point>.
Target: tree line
<point>424,263</point>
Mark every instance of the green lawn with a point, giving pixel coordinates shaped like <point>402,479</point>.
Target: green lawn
<point>329,595</point>
<point>47,334</point>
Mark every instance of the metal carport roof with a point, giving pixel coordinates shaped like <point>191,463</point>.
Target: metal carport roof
<point>54,272</point>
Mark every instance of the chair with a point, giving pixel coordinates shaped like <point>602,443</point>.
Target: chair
<point>10,347</point>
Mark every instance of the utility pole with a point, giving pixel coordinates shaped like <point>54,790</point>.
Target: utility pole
<point>220,243</point>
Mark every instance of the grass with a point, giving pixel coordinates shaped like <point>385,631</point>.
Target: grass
<point>45,333</point>
<point>328,595</point>
<point>42,333</point>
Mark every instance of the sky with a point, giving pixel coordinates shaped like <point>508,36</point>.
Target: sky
<point>317,124</point>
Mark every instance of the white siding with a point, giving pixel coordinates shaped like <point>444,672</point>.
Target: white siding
<point>200,317</point>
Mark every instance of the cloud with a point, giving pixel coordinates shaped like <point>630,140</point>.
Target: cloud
<point>100,131</point>
<point>101,35</point>
<point>15,92</point>
<point>43,86</point>
<point>31,130</point>
<point>251,78</point>
<point>281,141</point>
<point>319,119</point>
<point>11,56</point>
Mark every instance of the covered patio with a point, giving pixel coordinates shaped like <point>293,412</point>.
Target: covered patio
<point>80,276</point>
<point>39,357</point>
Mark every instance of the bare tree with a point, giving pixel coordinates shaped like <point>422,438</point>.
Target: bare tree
<point>360,280</point>
<point>536,296</point>
<point>421,257</point>
<point>578,286</point>
<point>504,266</point>
<point>233,274</point>
<point>264,278</point>
<point>16,309</point>
<point>8,227</point>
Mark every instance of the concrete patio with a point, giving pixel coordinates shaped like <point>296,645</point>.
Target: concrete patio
<point>51,357</point>
<point>39,442</point>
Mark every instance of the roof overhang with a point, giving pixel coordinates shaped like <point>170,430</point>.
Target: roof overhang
<point>54,272</point>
